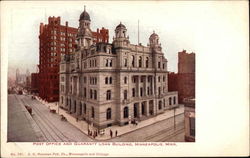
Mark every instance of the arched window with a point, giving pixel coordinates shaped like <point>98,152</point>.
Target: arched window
<point>106,80</point>
<point>133,92</point>
<point>159,90</point>
<point>108,95</point>
<point>125,94</point>
<point>110,64</point>
<point>146,62</point>
<point>107,62</point>
<point>140,61</point>
<point>159,65</point>
<point>133,61</point>
<point>92,112</point>
<point>125,62</point>
<point>170,101</point>
<point>125,112</point>
<point>62,99</point>
<point>95,94</point>
<point>141,91</point>
<point>80,108</point>
<point>90,93</point>
<point>110,80</point>
<point>160,105</point>
<point>108,113</point>
<point>125,80</point>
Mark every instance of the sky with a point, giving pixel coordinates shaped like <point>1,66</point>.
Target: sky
<point>180,25</point>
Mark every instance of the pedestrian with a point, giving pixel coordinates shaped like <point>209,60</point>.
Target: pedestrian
<point>88,132</point>
<point>116,133</point>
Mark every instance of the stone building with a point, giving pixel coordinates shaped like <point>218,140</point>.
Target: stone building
<point>114,83</point>
<point>56,39</point>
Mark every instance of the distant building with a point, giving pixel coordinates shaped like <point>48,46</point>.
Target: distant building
<point>184,80</point>
<point>55,40</point>
<point>186,62</point>
<point>189,113</point>
<point>28,83</point>
<point>114,83</point>
<point>18,77</point>
<point>34,82</point>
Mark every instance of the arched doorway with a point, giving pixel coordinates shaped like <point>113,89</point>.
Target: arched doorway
<point>135,110</point>
<point>151,107</point>
<point>80,111</point>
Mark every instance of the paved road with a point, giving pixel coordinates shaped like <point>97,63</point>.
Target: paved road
<point>52,128</point>
<point>159,132</point>
<point>55,130</point>
<point>21,126</point>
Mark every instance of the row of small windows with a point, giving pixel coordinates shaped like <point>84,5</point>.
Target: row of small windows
<point>108,80</point>
<point>93,94</point>
<point>83,107</point>
<point>93,80</point>
<point>139,62</point>
<point>134,79</point>
<point>92,63</point>
<point>105,49</point>
<point>159,65</point>
<point>172,102</point>
<point>108,63</point>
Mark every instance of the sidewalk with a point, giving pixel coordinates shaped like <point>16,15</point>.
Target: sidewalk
<point>21,126</point>
<point>83,126</point>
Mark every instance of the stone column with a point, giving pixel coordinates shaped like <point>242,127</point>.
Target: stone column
<point>77,85</point>
<point>139,109</point>
<point>77,108</point>
<point>147,108</point>
<point>153,84</point>
<point>146,85</point>
<point>138,85</point>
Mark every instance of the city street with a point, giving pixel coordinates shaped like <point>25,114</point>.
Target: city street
<point>50,127</point>
<point>158,132</point>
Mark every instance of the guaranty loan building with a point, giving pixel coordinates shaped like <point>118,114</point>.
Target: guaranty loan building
<point>114,83</point>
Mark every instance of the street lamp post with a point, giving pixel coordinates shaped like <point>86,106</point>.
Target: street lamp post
<point>174,118</point>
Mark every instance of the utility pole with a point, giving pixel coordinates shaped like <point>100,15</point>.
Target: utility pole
<point>174,118</point>
<point>138,34</point>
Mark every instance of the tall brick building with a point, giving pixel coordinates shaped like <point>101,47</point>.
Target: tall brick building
<point>54,40</point>
<point>34,82</point>
<point>184,80</point>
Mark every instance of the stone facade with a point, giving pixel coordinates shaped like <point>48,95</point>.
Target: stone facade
<point>114,83</point>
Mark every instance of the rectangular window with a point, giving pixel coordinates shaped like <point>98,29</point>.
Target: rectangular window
<point>62,79</point>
